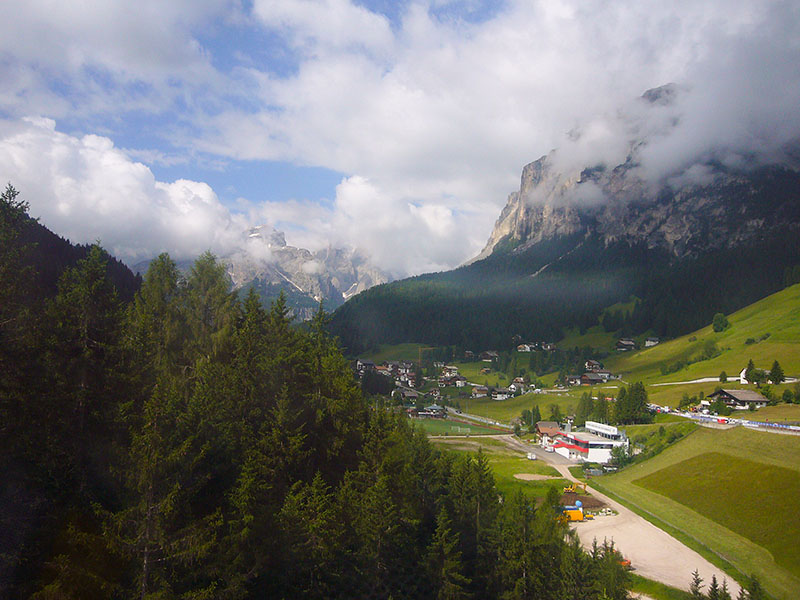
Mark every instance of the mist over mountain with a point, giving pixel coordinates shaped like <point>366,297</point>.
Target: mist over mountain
<point>704,201</point>
<point>265,262</point>
<point>712,234</point>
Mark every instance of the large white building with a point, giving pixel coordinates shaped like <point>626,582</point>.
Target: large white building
<point>593,445</point>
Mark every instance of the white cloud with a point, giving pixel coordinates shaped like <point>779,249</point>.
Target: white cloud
<point>86,190</point>
<point>430,119</point>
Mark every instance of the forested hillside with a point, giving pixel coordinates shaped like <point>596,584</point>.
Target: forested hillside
<point>187,445</point>
<point>562,283</point>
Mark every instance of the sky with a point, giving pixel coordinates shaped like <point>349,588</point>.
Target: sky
<point>395,127</point>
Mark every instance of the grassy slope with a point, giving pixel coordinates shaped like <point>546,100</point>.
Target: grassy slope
<point>394,352</point>
<point>687,482</point>
<point>744,554</point>
<point>778,315</point>
<point>505,410</point>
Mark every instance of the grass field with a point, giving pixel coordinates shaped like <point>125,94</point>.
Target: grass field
<point>472,371</point>
<point>687,482</point>
<point>734,484</point>
<point>505,464</point>
<point>393,352</point>
<point>449,427</point>
<point>505,410</point>
<point>777,315</point>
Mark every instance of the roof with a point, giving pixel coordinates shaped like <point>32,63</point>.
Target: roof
<point>742,395</point>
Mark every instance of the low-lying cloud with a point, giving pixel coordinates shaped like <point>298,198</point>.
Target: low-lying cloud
<point>430,118</point>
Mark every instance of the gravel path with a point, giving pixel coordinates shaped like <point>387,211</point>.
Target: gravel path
<point>653,553</point>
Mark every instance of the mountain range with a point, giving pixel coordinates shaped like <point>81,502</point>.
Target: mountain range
<point>711,237</point>
<point>265,262</point>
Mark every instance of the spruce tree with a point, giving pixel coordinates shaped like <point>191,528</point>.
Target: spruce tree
<point>443,560</point>
<point>696,586</point>
<point>776,375</point>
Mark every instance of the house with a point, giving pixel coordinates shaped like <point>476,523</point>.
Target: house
<point>434,410</point>
<point>383,371</point>
<point>524,348</point>
<point>363,365</point>
<point>501,394</point>
<point>573,379</point>
<point>437,364</point>
<point>651,341</point>
<point>592,365</point>
<point>515,387</point>
<point>407,396</point>
<point>519,380</point>
<point>625,344</point>
<point>480,391</point>
<point>485,371</point>
<point>489,356</point>
<point>548,347</point>
<point>591,379</point>
<point>460,381</point>
<point>449,371</point>
<point>469,355</point>
<point>739,399</point>
<point>604,374</point>
<point>547,430</point>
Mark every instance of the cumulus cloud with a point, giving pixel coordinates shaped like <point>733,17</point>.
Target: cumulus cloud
<point>429,116</point>
<point>86,190</point>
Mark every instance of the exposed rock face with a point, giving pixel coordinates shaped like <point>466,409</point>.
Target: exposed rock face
<point>268,264</point>
<point>713,208</point>
<point>705,206</point>
<point>332,275</point>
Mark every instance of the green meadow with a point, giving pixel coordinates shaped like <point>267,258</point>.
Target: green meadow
<point>731,494</point>
<point>506,463</point>
<point>688,482</point>
<point>765,331</point>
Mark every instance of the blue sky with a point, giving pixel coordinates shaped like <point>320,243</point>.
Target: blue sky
<point>398,128</point>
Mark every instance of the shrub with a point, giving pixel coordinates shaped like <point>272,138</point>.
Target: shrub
<point>720,322</point>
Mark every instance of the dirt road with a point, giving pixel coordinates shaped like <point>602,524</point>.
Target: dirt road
<point>653,553</point>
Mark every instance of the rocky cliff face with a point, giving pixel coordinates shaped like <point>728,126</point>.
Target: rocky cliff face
<point>331,275</point>
<point>686,216</point>
<point>265,261</point>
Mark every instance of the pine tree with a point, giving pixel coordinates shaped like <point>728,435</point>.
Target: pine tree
<point>585,409</point>
<point>444,561</point>
<point>155,327</point>
<point>724,593</point>
<point>696,586</point>
<point>750,370</point>
<point>754,589</point>
<point>776,375</point>
<point>713,589</point>
<point>210,309</point>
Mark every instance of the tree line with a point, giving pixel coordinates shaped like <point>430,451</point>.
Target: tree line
<point>188,444</point>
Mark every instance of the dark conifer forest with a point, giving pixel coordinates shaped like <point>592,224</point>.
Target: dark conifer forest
<point>185,444</point>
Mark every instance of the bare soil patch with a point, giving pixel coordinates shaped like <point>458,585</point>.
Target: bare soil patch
<point>589,502</point>
<point>532,477</point>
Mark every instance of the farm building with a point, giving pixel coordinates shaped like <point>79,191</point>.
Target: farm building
<point>739,399</point>
<point>593,445</point>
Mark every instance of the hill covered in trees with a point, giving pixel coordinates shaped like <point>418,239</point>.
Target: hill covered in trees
<point>187,444</point>
<point>565,282</point>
